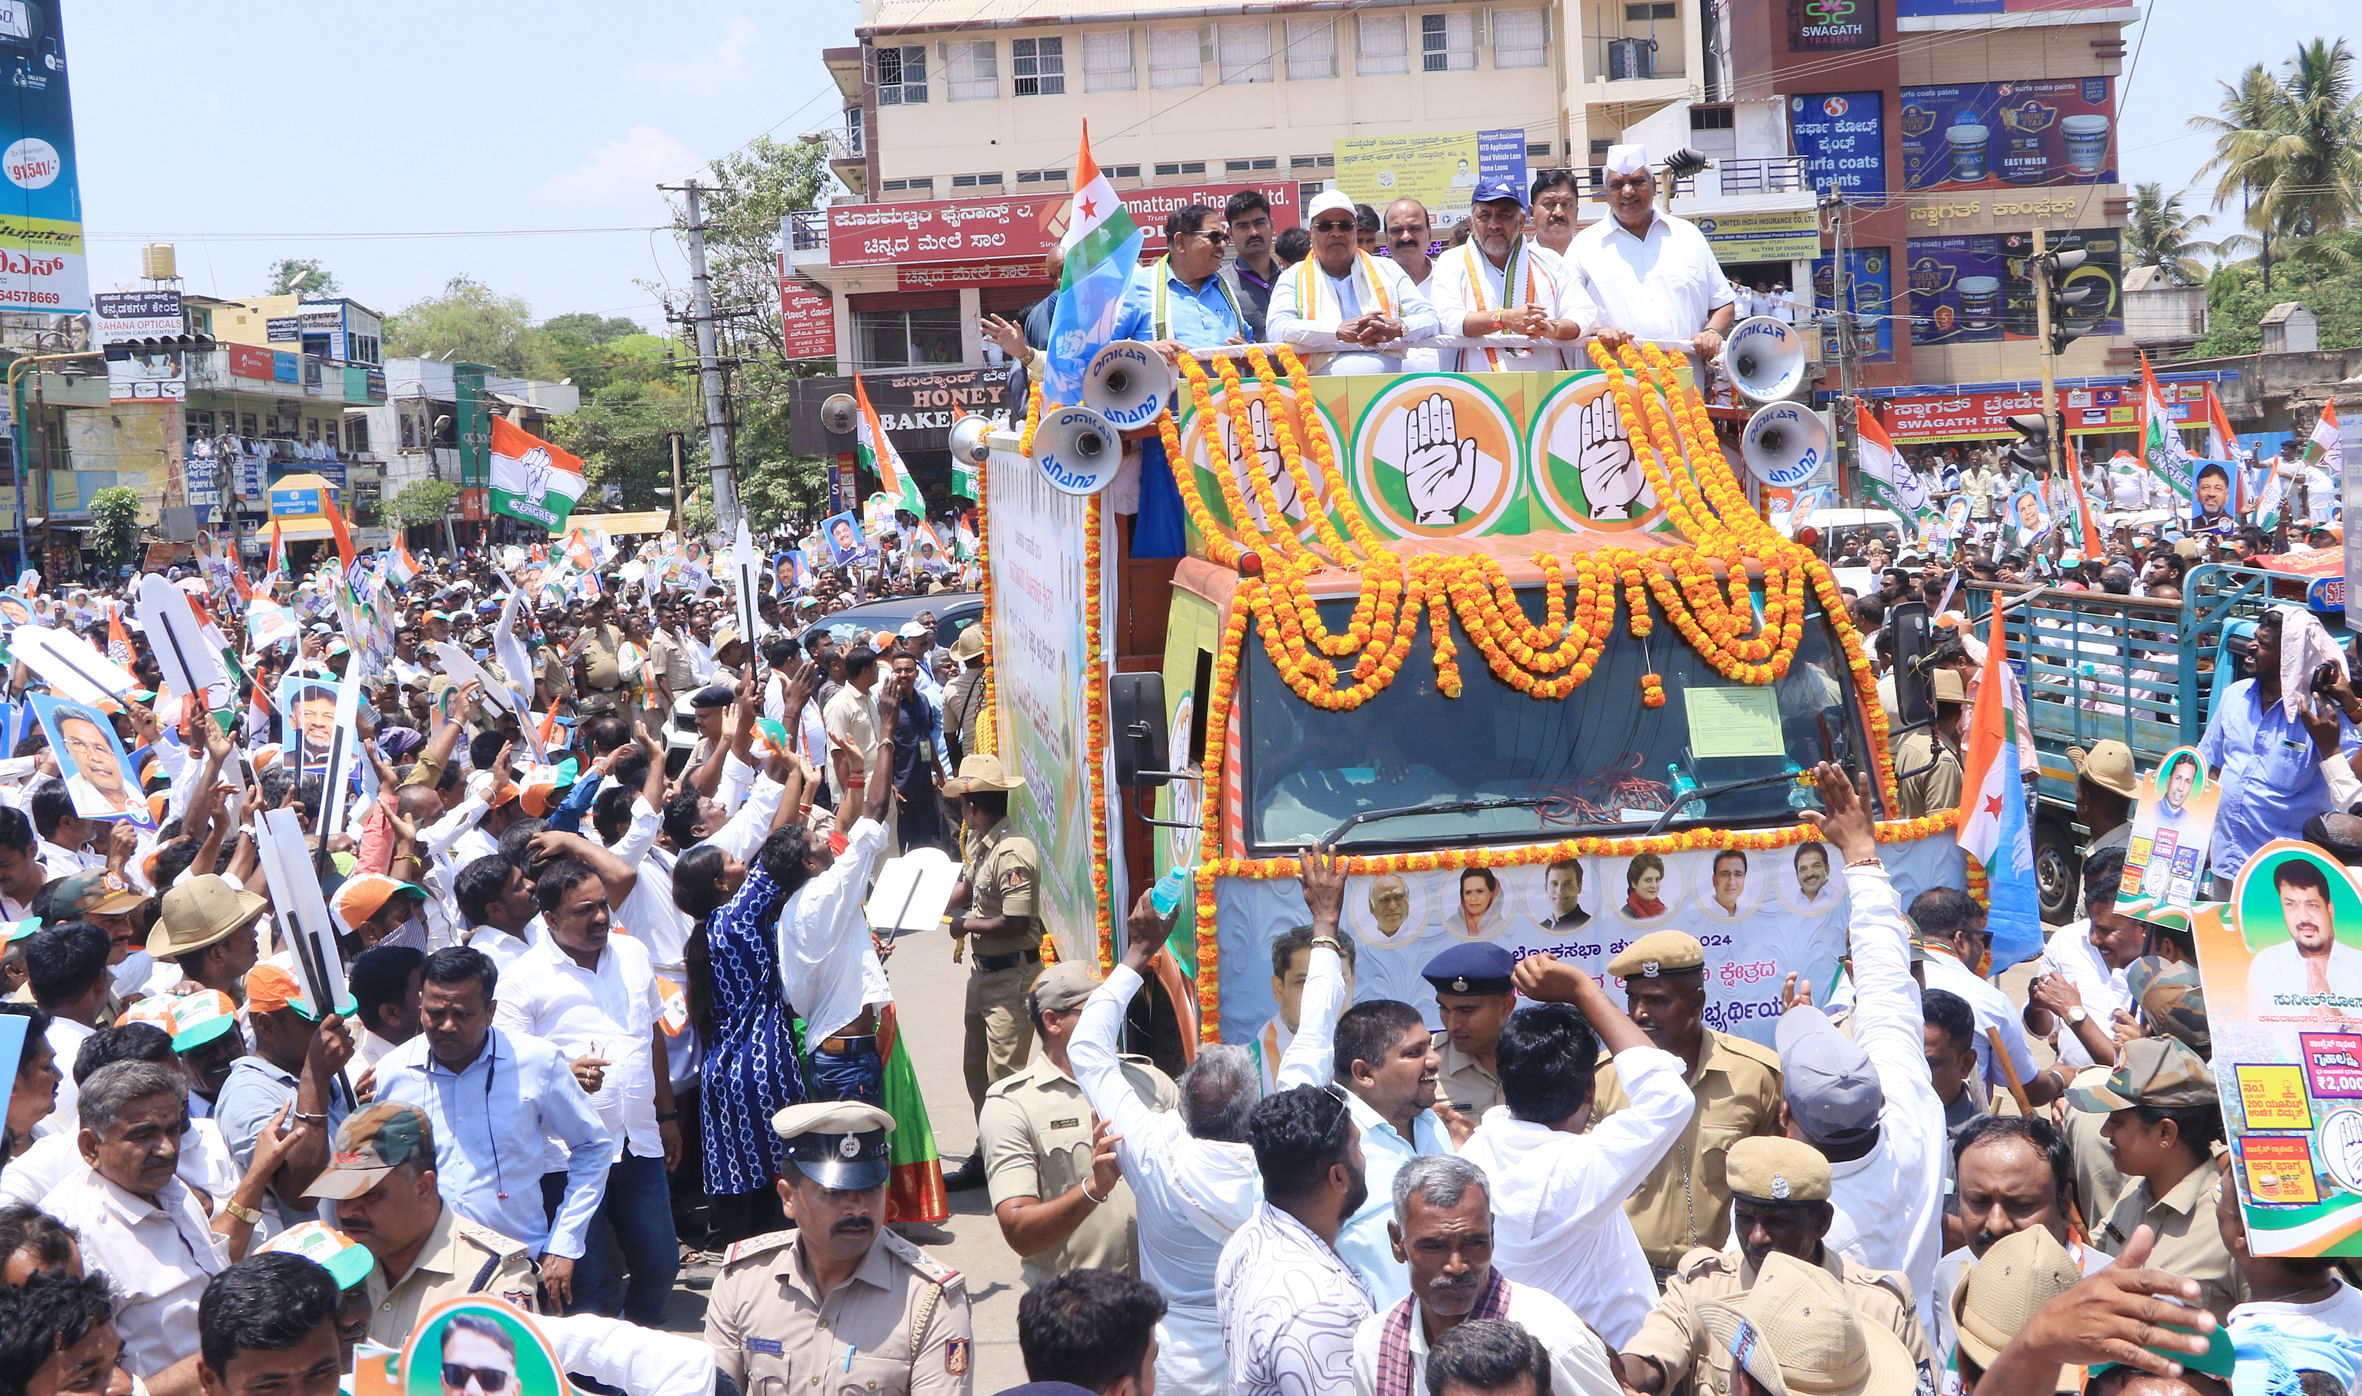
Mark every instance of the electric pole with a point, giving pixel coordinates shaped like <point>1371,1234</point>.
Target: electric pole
<point>1841,287</point>
<point>709,373</point>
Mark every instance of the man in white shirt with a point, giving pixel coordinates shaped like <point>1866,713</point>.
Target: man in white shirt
<point>1289,1303</point>
<point>2311,973</point>
<point>1652,275</point>
<point>1443,1233</point>
<point>1348,311</point>
<point>497,1101</point>
<point>1558,1191</point>
<point>1191,1170</point>
<point>1505,303</point>
<point>1869,1104</point>
<point>1409,233</point>
<point>592,994</point>
<point>1391,1070</point>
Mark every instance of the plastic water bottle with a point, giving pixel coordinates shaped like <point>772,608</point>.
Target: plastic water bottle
<point>1169,890</point>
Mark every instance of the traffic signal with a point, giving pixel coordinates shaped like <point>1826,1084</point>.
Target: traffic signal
<point>2031,451</point>
<point>2050,273</point>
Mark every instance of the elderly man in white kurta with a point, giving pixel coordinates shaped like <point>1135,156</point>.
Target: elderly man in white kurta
<point>1507,303</point>
<point>1347,311</point>
<point>1652,275</point>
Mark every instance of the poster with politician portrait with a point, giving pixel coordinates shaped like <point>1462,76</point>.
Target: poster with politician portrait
<point>1479,909</point>
<point>1648,891</point>
<point>1564,900</point>
<point>307,720</point>
<point>842,535</point>
<point>1734,887</point>
<point>1807,884</point>
<point>91,760</point>
<point>2166,863</point>
<point>1392,911</point>
<point>479,1347</point>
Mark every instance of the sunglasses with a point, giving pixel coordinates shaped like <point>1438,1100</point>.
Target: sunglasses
<point>489,1380</point>
<point>1336,1093</point>
<point>1216,238</point>
<point>1331,225</point>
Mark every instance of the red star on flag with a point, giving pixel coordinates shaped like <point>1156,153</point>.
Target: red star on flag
<point>1090,210</point>
<point>1993,806</point>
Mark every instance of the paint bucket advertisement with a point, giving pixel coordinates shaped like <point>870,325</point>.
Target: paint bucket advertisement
<point>2004,135</point>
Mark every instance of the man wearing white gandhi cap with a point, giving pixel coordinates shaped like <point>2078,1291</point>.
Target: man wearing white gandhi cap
<point>1507,303</point>
<point>1348,311</point>
<point>1652,275</point>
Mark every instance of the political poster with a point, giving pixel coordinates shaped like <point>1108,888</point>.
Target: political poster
<point>1841,136</point>
<point>1870,273</point>
<point>465,1346</point>
<point>2165,863</point>
<point>42,265</point>
<point>1439,169</point>
<point>307,721</point>
<point>91,759</point>
<point>1762,914</point>
<point>842,534</point>
<point>2005,135</point>
<point>1956,288</point>
<point>2282,966</point>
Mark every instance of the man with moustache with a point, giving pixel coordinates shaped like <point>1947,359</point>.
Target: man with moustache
<point>839,1294</point>
<point>1254,268</point>
<point>1554,200</point>
<point>1348,311</point>
<point>1503,283</point>
<point>1474,996</point>
<point>1812,872</point>
<point>1409,232</point>
<point>2311,963</point>
<point>1652,275</point>
<point>2011,1173</point>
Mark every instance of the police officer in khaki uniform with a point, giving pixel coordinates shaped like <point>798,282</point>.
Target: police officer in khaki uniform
<point>1927,759</point>
<point>1475,996</point>
<point>1737,1083</point>
<point>1056,1188</point>
<point>382,1181</point>
<point>839,1306</point>
<point>1780,1189</point>
<point>995,904</point>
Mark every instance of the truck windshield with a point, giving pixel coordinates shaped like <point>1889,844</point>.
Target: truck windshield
<point>1599,762</point>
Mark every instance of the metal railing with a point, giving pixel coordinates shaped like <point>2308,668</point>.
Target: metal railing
<point>1755,174</point>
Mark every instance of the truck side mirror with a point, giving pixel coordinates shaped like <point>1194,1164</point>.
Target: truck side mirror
<point>1911,635</point>
<point>1136,725</point>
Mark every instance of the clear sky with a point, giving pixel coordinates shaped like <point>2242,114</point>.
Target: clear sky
<point>266,128</point>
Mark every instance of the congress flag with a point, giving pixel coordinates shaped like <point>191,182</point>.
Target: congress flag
<point>1993,826</point>
<point>877,452</point>
<point>2322,448</point>
<point>2161,444</point>
<point>531,479</point>
<point>1102,247</point>
<point>1886,476</point>
<point>399,564</point>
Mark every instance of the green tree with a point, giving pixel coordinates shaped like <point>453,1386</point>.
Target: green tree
<point>114,523</point>
<point>302,275</point>
<point>422,502</point>
<point>624,435</point>
<point>2289,147</point>
<point>471,322</point>
<point>2159,234</point>
<point>2321,279</point>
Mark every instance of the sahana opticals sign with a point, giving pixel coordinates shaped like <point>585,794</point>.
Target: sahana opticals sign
<point>2000,135</point>
<point>41,258</point>
<point>1841,137</point>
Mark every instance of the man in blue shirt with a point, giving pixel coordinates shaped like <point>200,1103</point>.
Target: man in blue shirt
<point>2267,763</point>
<point>1181,302</point>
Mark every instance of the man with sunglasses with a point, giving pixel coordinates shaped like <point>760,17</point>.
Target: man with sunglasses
<point>1182,302</point>
<point>1351,312</point>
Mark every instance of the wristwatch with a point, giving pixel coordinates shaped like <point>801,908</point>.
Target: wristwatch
<point>2075,1016</point>
<point>245,1214</point>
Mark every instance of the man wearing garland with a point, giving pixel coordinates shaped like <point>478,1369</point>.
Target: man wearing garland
<point>1347,311</point>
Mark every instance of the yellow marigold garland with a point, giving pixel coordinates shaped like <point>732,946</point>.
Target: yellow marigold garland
<point>1095,729</point>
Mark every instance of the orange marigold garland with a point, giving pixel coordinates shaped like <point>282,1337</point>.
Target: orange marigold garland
<point>1095,728</point>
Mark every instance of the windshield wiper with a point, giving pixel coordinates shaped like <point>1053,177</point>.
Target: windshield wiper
<point>1684,797</point>
<point>1372,816</point>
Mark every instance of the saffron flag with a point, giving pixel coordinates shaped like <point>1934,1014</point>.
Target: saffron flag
<point>336,525</point>
<point>878,453</point>
<point>531,479</point>
<point>1102,248</point>
<point>278,561</point>
<point>118,640</point>
<point>2161,444</point>
<point>2222,443</point>
<point>1993,827</point>
<point>2322,447</point>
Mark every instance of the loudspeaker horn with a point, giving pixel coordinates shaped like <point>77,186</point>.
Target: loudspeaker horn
<point>1078,449</point>
<point>837,414</point>
<point>1785,445</point>
<point>1128,383</point>
<point>1764,358</point>
<point>968,439</point>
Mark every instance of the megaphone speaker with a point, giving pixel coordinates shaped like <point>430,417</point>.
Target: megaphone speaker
<point>1785,444</point>
<point>968,441</point>
<point>837,414</point>
<point>1127,383</point>
<point>1764,358</point>
<point>1078,450</point>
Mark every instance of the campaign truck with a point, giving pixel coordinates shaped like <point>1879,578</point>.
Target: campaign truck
<point>1519,645</point>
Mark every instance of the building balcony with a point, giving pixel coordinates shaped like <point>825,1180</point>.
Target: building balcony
<point>806,236</point>
<point>1739,176</point>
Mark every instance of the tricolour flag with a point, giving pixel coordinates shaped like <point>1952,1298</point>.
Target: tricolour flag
<point>118,639</point>
<point>278,562</point>
<point>963,471</point>
<point>336,525</point>
<point>877,452</point>
<point>1102,248</point>
<point>2161,442</point>
<point>1886,476</point>
<point>2222,443</point>
<point>2322,447</point>
<point>531,479</point>
<point>578,550</point>
<point>1993,826</point>
<point>399,564</point>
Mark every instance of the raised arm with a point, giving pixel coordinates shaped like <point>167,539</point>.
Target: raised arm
<point>1092,1052</point>
<point>1310,1059</point>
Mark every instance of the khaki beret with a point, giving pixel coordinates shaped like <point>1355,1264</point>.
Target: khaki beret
<point>1658,952</point>
<point>1771,1168</point>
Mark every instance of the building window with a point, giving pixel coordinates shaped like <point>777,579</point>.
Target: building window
<point>1537,150</point>
<point>971,71</point>
<point>1521,39</point>
<point>1381,45</point>
<point>1249,166</point>
<point>1120,171</point>
<point>1313,162</point>
<point>990,179</point>
<point>1642,14</point>
<point>1041,176</point>
<point>1712,119</point>
<point>1312,49</point>
<point>1038,66</point>
<point>902,75</point>
<point>356,435</point>
<point>1244,51</point>
<point>1175,169</point>
<point>924,188</point>
<point>1447,42</point>
<point>1175,58</point>
<point>905,338</point>
<point>1107,62</point>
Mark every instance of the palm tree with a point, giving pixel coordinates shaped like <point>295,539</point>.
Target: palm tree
<point>2290,146</point>
<point>2159,234</point>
